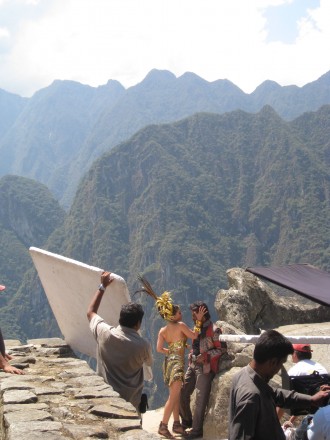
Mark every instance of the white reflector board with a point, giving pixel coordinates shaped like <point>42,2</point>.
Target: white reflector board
<point>70,286</point>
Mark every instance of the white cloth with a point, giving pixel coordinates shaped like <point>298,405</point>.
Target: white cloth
<point>290,433</point>
<point>319,428</point>
<point>121,352</point>
<point>306,367</point>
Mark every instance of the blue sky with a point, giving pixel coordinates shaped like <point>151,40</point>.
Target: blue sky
<point>283,20</point>
<point>92,41</point>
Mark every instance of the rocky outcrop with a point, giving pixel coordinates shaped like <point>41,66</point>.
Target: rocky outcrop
<point>250,305</point>
<point>61,397</point>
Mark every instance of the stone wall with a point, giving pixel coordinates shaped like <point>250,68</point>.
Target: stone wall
<point>61,397</point>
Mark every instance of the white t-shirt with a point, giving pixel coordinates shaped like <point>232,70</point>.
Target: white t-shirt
<point>319,428</point>
<point>306,367</point>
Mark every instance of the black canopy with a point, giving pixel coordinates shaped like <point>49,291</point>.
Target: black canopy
<point>304,279</point>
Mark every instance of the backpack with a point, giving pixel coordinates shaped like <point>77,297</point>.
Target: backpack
<point>309,384</point>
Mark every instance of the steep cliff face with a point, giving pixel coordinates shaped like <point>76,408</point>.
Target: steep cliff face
<point>28,209</point>
<point>185,201</point>
<point>28,215</point>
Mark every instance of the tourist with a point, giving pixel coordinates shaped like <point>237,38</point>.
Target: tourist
<point>304,365</point>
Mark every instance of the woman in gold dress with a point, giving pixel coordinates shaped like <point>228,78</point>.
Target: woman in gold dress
<point>174,334</point>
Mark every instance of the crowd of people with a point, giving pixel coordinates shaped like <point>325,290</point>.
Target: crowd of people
<point>255,407</point>
<point>126,377</point>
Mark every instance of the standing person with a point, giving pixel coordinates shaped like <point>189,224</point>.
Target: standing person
<point>121,351</point>
<point>302,357</point>
<point>4,357</point>
<point>304,366</point>
<point>203,365</point>
<point>175,335</point>
<point>252,408</point>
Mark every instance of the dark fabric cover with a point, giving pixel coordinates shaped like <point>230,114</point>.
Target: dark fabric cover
<point>304,279</point>
<point>309,384</point>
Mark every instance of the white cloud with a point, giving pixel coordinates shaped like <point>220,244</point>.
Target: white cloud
<point>92,41</point>
<point>4,33</point>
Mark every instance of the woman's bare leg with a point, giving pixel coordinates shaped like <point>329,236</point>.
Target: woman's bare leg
<point>173,402</point>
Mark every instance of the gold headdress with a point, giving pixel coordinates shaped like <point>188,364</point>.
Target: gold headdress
<point>163,302</point>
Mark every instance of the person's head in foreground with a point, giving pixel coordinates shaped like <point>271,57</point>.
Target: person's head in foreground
<point>131,315</point>
<point>270,353</point>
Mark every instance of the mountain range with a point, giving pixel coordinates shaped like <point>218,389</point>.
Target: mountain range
<point>55,135</point>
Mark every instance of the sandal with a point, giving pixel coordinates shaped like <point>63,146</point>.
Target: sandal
<point>178,428</point>
<point>163,430</point>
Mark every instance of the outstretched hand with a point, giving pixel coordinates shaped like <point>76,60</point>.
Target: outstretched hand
<point>105,279</point>
<point>12,370</point>
<point>201,312</point>
<point>321,397</point>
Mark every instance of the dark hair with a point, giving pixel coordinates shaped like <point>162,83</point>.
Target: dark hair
<point>271,344</point>
<point>194,307</point>
<point>175,309</point>
<point>130,314</point>
<point>303,355</point>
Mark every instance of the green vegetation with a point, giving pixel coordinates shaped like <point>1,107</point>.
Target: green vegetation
<point>28,215</point>
<point>181,203</point>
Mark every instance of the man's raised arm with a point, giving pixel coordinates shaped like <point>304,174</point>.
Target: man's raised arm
<point>98,295</point>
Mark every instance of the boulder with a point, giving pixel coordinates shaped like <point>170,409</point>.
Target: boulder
<point>251,305</point>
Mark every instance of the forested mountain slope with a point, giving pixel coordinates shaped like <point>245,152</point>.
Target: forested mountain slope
<point>28,214</point>
<point>183,202</point>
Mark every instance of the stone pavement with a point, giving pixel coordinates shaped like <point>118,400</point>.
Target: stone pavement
<point>61,397</point>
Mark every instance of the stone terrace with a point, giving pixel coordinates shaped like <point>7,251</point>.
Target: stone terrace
<point>61,397</point>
